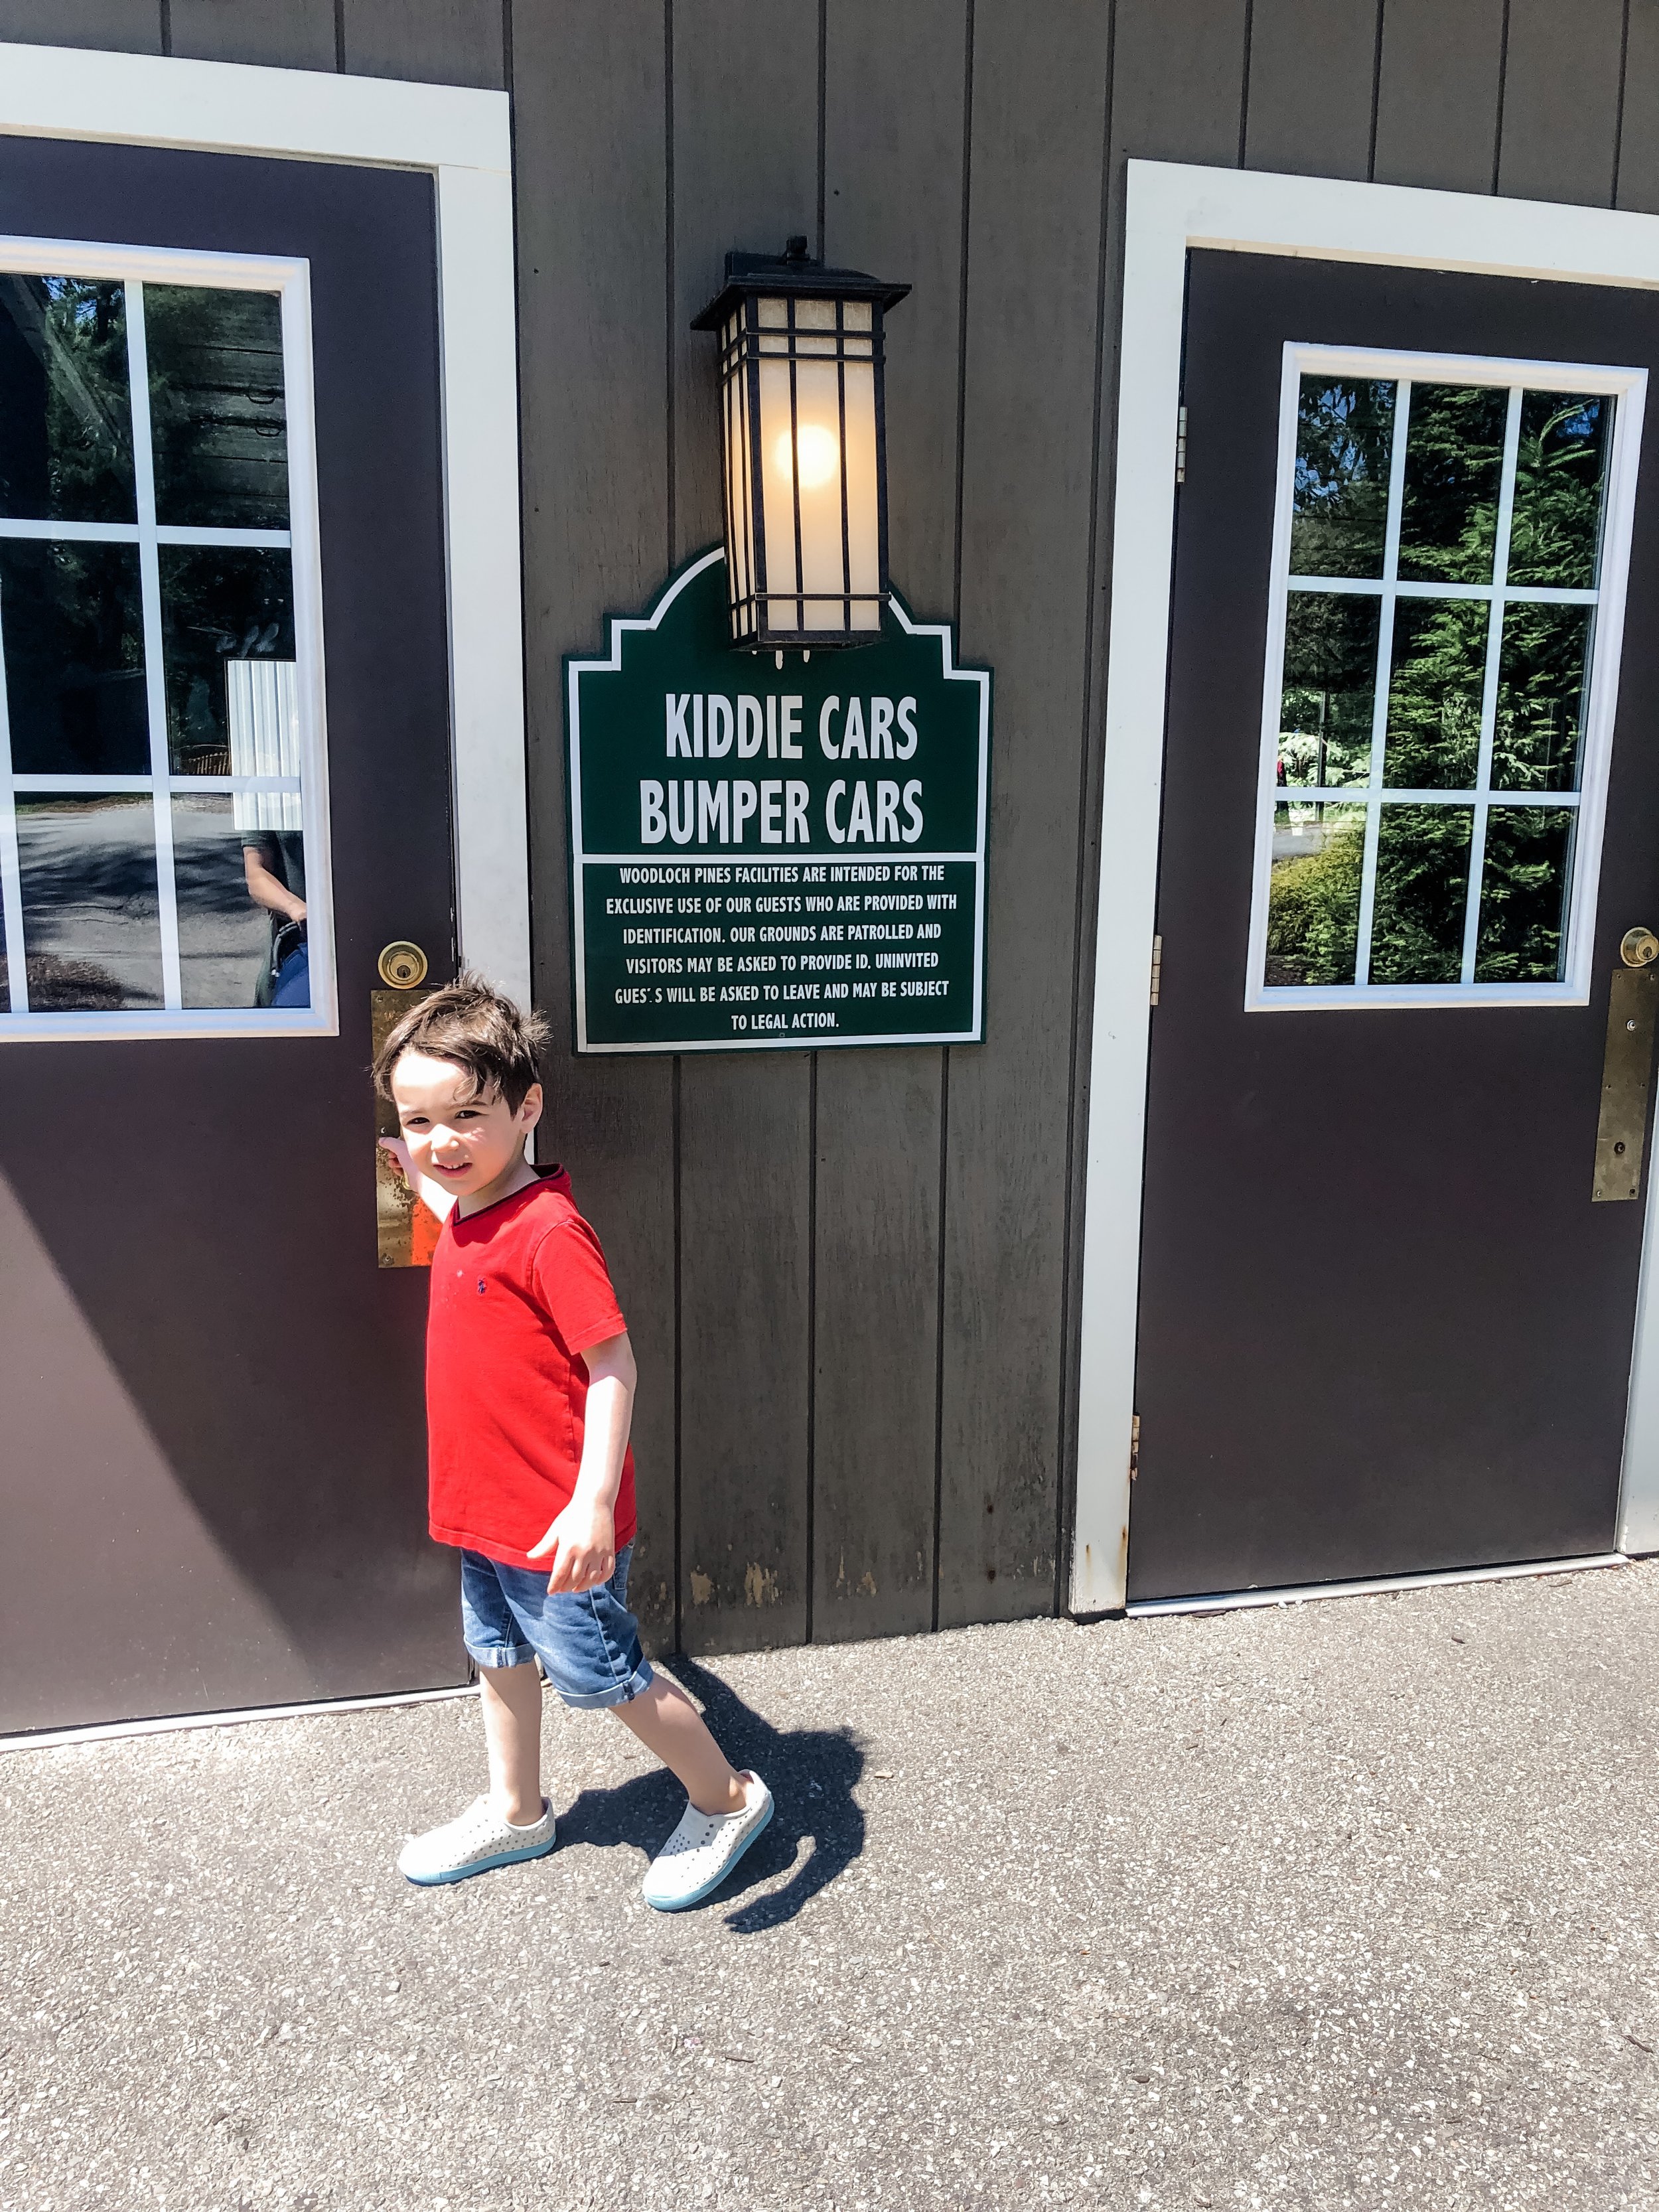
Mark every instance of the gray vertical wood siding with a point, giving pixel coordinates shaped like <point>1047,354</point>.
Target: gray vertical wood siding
<point>851,1276</point>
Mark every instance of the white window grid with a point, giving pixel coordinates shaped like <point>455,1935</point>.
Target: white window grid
<point>1628,388</point>
<point>132,267</point>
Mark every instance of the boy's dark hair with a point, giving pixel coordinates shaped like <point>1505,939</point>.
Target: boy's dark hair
<point>478,1027</point>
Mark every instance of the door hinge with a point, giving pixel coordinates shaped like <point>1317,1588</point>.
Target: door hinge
<point>1135,1446</point>
<point>1181,446</point>
<point>1157,967</point>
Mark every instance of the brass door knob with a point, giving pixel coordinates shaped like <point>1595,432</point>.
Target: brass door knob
<point>402,965</point>
<point>1638,948</point>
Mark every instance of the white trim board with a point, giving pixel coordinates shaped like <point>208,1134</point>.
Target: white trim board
<point>462,137</point>
<point>306,115</point>
<point>1172,208</point>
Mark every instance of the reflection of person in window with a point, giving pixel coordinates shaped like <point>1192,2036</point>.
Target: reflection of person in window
<point>275,863</point>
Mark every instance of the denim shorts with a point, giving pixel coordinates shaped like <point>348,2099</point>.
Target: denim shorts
<point>587,1641</point>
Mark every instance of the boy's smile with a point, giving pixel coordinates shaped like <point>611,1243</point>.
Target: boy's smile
<point>470,1146</point>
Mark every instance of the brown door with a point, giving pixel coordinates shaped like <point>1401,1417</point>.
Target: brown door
<point>213,1457</point>
<point>1384,1326</point>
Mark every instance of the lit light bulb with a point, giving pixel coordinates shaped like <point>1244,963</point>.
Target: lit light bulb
<point>816,455</point>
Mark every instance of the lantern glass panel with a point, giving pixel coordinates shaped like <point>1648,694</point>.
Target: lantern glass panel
<point>820,492</point>
<point>863,496</point>
<point>739,481</point>
<point>777,482</point>
<point>800,400</point>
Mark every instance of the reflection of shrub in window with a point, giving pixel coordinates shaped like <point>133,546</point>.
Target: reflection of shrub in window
<point>62,987</point>
<point>1313,914</point>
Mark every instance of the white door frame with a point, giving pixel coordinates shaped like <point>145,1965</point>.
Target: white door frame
<point>462,138</point>
<point>1171,209</point>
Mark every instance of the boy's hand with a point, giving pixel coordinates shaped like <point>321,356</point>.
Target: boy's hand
<point>400,1151</point>
<point>435,1200</point>
<point>583,1542</point>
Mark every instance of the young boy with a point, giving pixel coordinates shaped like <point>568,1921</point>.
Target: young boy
<point>530,1392</point>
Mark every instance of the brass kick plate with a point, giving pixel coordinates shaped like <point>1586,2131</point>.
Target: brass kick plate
<point>404,1231</point>
<point>1627,1078</point>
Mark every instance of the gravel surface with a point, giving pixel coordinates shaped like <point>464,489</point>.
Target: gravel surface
<point>1349,1903</point>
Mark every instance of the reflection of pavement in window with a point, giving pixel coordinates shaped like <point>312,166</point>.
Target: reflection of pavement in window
<point>1301,840</point>
<point>224,938</point>
<point>88,871</point>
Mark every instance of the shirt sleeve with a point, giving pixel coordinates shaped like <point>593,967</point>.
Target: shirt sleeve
<point>575,1288</point>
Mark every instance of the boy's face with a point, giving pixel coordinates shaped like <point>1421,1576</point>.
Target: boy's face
<point>465,1143</point>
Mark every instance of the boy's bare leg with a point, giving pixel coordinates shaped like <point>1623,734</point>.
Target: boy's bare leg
<point>667,1723</point>
<point>512,1701</point>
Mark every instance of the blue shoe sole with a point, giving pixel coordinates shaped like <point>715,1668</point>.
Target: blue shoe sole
<point>684,1904</point>
<point>481,1866</point>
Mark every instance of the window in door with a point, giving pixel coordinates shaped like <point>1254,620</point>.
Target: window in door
<point>1449,552</point>
<point>162,862</point>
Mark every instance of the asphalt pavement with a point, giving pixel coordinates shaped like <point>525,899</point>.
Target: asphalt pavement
<point>1345,1904</point>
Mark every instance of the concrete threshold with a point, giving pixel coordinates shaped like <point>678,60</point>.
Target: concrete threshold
<point>1299,1594</point>
<point>167,1723</point>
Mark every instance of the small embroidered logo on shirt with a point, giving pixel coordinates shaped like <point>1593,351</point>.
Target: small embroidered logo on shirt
<point>481,1285</point>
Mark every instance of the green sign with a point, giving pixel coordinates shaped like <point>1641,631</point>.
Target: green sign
<point>775,856</point>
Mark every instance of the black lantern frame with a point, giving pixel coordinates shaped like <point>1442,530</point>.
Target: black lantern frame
<point>804,423</point>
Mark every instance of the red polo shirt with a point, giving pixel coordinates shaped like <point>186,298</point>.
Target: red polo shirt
<point>519,1292</point>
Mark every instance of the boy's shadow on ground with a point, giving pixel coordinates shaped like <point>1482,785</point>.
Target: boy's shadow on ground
<point>811,1773</point>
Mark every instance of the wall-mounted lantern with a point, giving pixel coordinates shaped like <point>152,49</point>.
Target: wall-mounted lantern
<point>805,434</point>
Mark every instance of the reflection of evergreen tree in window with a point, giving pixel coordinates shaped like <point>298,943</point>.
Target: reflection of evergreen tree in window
<point>1434,694</point>
<point>66,424</point>
<point>1422,893</point>
<point>1345,428</point>
<point>1523,894</point>
<point>1542,676</point>
<point>1454,458</point>
<point>1453,454</point>
<point>1329,687</point>
<point>1560,483</point>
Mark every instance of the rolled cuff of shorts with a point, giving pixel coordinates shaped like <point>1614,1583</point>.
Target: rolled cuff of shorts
<point>619,1694</point>
<point>501,1655</point>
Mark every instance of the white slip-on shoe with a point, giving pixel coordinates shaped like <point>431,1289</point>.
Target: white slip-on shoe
<point>473,1842</point>
<point>703,1849</point>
